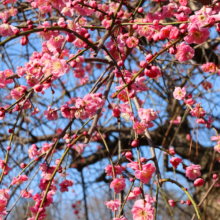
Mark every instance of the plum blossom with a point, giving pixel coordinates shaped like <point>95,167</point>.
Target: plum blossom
<point>19,180</point>
<point>46,147</point>
<point>193,171</point>
<point>26,194</point>
<point>4,194</point>
<point>118,184</point>
<point>146,173</point>
<point>217,147</point>
<point>184,52</point>
<point>3,82</point>
<point>79,147</point>
<point>176,121</point>
<point>147,114</point>
<point>132,42</point>
<point>196,35</point>
<point>139,127</point>
<point>179,93</point>
<point>65,184</point>
<point>175,161</point>
<point>142,211</point>
<point>58,67</point>
<point>198,111</point>
<point>51,114</point>
<point>3,204</point>
<point>118,170</point>
<point>2,165</point>
<point>18,92</point>
<point>113,204</point>
<point>7,30</point>
<point>209,67</point>
<point>67,111</point>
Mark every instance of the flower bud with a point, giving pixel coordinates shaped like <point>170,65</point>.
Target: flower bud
<point>188,202</point>
<point>38,88</point>
<point>23,165</point>
<point>24,41</point>
<point>136,191</point>
<point>171,202</point>
<point>128,155</point>
<point>140,10</point>
<point>215,176</point>
<point>70,37</point>
<point>199,182</point>
<point>134,143</point>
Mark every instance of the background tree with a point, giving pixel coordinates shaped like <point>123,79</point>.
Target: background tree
<point>86,85</point>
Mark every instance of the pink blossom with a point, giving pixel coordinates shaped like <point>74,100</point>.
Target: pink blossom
<point>133,165</point>
<point>58,67</point>
<point>198,111</point>
<point>118,184</point>
<point>35,111</point>
<point>7,30</point>
<point>215,138</point>
<point>33,151</point>
<point>196,35</point>
<point>3,82</point>
<point>209,67</point>
<point>217,147</point>
<point>172,151</point>
<point>146,173</point>
<point>179,93</point>
<point>184,52</point>
<point>206,85</point>
<point>18,92</point>
<point>183,2</point>
<point>145,30</point>
<point>193,171</point>
<point>51,114</point>
<point>65,184</point>
<point>4,194</point>
<point>169,32</point>
<point>67,11</point>
<point>2,165</point>
<point>79,147</point>
<point>200,18</point>
<point>3,204</point>
<point>176,121</point>
<point>189,101</point>
<point>188,137</point>
<point>136,191</point>
<point>46,147</point>
<point>68,112</point>
<point>118,170</point>
<point>147,114</point>
<point>19,180</point>
<point>127,113</point>
<point>116,112</point>
<point>142,211</point>
<point>175,161</point>
<point>79,73</point>
<point>132,196</point>
<point>26,194</point>
<point>132,42</point>
<point>113,204</point>
<point>139,127</point>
